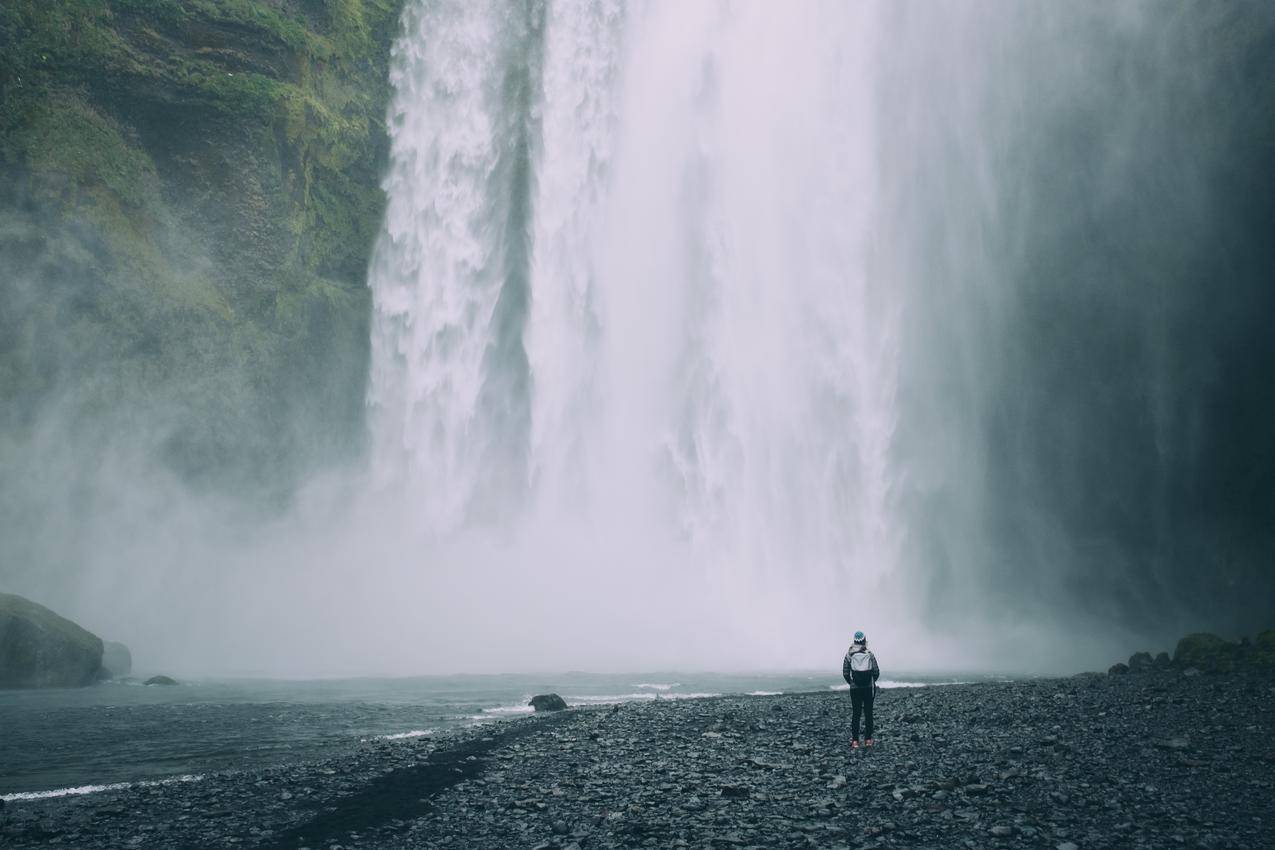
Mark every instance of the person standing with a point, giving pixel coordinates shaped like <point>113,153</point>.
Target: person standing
<point>859,669</point>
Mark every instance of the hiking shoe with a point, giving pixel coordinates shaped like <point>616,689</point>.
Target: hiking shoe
<point>854,745</point>
<point>868,742</point>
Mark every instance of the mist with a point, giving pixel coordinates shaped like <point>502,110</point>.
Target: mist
<point>702,336</point>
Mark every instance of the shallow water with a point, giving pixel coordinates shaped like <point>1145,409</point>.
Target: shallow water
<point>120,732</point>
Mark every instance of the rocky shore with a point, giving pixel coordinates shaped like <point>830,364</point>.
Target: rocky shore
<point>1150,760</point>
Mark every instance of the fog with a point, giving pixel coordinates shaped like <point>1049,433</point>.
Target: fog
<point>705,334</point>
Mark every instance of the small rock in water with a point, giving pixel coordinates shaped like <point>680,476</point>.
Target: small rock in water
<point>160,680</point>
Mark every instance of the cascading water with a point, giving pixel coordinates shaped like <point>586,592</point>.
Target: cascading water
<point>751,321</point>
<point>624,286</point>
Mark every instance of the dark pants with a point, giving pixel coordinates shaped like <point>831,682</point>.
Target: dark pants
<point>861,704</point>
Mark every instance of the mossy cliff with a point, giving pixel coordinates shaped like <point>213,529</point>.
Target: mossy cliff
<point>189,192</point>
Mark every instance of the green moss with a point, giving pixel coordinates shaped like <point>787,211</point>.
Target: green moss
<point>189,196</point>
<point>64,135</point>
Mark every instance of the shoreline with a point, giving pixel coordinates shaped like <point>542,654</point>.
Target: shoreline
<point>1095,761</point>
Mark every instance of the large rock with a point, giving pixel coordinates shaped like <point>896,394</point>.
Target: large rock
<point>117,661</point>
<point>1207,652</point>
<point>160,680</point>
<point>1140,662</point>
<point>548,702</point>
<point>39,649</point>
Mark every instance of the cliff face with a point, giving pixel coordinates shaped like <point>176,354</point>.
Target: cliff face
<point>188,197</point>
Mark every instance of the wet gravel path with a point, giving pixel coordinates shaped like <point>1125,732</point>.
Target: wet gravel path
<point>1150,760</point>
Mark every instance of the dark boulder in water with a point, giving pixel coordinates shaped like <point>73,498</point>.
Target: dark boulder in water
<point>117,661</point>
<point>548,702</point>
<point>160,680</point>
<point>39,649</point>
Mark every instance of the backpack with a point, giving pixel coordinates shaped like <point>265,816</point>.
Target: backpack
<point>861,667</point>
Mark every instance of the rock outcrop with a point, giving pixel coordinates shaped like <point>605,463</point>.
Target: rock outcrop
<point>39,649</point>
<point>160,680</point>
<point>117,661</point>
<point>1203,652</point>
<point>548,702</point>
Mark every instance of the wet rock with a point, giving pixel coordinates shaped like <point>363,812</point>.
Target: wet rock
<point>548,702</point>
<point>160,680</point>
<point>1140,662</point>
<point>1117,669</point>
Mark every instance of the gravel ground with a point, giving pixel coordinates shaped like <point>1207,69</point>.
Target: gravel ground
<point>1143,760</point>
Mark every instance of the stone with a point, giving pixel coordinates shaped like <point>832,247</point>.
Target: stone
<point>1117,669</point>
<point>1067,845</point>
<point>1002,831</point>
<point>40,649</point>
<point>160,680</point>
<point>117,661</point>
<point>1162,661</point>
<point>548,702</point>
<point>1140,662</point>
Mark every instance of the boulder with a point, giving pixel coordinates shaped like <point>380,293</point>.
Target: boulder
<point>117,661</point>
<point>1117,669</point>
<point>160,680</point>
<point>548,702</point>
<point>1140,662</point>
<point>39,649</point>
<point>1207,652</point>
<point>1162,661</point>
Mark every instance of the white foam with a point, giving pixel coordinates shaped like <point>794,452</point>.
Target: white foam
<point>508,709</point>
<point>764,693</point>
<point>94,789</point>
<point>657,686</point>
<point>398,736</point>
<point>891,683</point>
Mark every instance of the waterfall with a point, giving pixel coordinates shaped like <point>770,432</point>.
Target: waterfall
<point>767,320</point>
<point>624,282</point>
